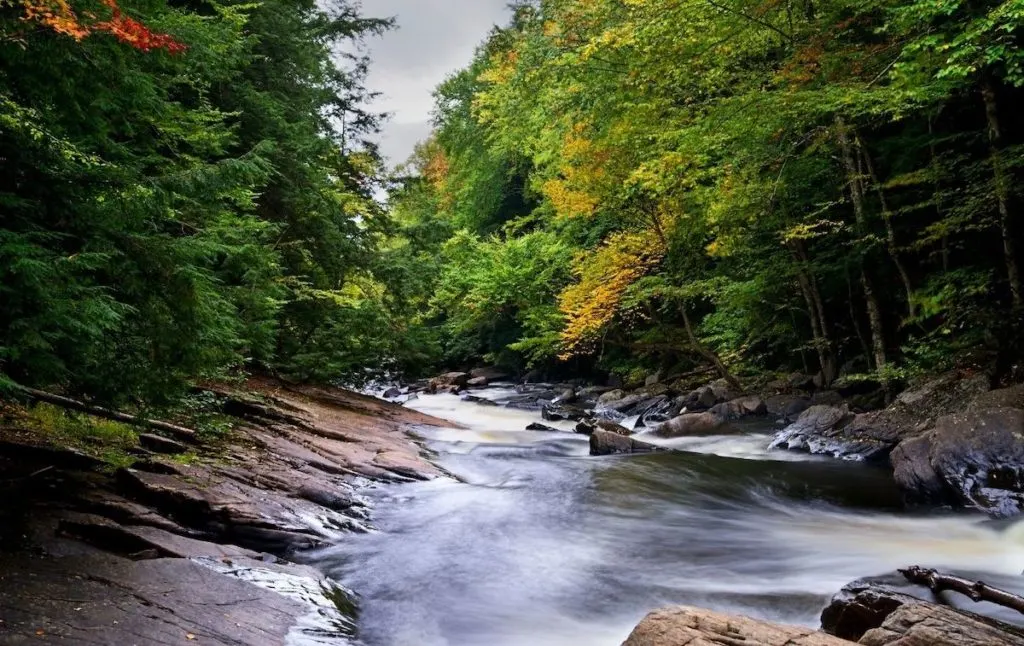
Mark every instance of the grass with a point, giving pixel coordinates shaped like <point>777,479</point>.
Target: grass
<point>104,439</point>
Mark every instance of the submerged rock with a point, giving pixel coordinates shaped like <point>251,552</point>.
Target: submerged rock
<point>557,413</point>
<point>542,427</point>
<point>698,627</point>
<point>589,425</point>
<point>606,443</point>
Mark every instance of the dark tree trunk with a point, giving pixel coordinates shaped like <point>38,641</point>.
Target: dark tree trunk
<point>1007,219</point>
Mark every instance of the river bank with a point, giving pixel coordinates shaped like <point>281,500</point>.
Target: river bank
<point>194,543</point>
<point>533,540</point>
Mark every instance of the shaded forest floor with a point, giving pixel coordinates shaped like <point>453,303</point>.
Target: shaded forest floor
<point>133,538</point>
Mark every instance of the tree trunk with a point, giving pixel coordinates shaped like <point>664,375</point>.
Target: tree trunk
<point>937,190</point>
<point>1002,186</point>
<point>874,320</point>
<point>855,183</point>
<point>890,232</point>
<point>180,432</point>
<point>816,311</point>
<point>708,353</point>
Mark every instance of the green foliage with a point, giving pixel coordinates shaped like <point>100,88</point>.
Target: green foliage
<point>175,215</point>
<point>825,180</point>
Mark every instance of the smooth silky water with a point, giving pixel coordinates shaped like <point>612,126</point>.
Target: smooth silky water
<point>539,544</point>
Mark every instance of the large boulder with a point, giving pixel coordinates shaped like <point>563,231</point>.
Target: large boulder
<point>787,407</point>
<point>698,627</point>
<point>975,459</point>
<point>723,391</point>
<point>478,382</point>
<point>740,407</point>
<point>1012,397</point>
<point>702,398</point>
<point>692,425</point>
<point>449,381</point>
<point>814,431</point>
<point>605,443</point>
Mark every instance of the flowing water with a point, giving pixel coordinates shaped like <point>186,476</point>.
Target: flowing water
<point>538,544</point>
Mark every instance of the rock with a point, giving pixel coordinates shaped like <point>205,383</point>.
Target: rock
<point>702,398</point>
<point>459,379</point>
<point>555,413</point>
<point>104,599</point>
<point>160,444</point>
<point>691,424</point>
<point>827,398</point>
<point>611,396</point>
<point>478,382</point>
<point>740,407</point>
<point>787,407</point>
<point>482,401</point>
<point>490,373</point>
<point>567,396</point>
<point>723,391</point>
<point>697,627</point>
<point>605,443</point>
<point>914,473</point>
<point>589,425</point>
<point>800,381</point>
<point>656,390</point>
<point>976,457</point>
<point>653,379</point>
<point>392,393</point>
<point>880,612</point>
<point>541,427</point>
<point>1012,397</point>
<point>533,377</point>
<point>928,624</point>
<point>813,431</point>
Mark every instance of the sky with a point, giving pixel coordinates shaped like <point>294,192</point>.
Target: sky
<point>434,38</point>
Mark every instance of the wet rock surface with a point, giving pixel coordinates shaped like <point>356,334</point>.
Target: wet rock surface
<point>698,627</point>
<point>171,552</point>
<point>974,459</point>
<point>886,611</point>
<point>608,443</point>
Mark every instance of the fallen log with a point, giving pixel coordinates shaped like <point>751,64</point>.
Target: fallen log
<point>975,590</point>
<point>179,432</point>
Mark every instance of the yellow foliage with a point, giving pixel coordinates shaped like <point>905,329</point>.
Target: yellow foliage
<point>602,278</point>
<point>582,173</point>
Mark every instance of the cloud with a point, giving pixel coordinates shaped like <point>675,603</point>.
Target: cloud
<point>434,38</point>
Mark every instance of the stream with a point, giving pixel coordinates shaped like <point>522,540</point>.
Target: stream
<point>539,544</point>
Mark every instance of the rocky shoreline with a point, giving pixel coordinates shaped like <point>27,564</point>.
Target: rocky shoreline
<point>173,550</point>
<point>952,440</point>
<point>199,547</point>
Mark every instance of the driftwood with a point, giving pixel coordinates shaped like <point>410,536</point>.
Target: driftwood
<point>975,590</point>
<point>179,432</point>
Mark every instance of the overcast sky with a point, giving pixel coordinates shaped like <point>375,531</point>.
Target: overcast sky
<point>433,39</point>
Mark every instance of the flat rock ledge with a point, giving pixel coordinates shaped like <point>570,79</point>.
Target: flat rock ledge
<point>195,548</point>
<point>686,626</point>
